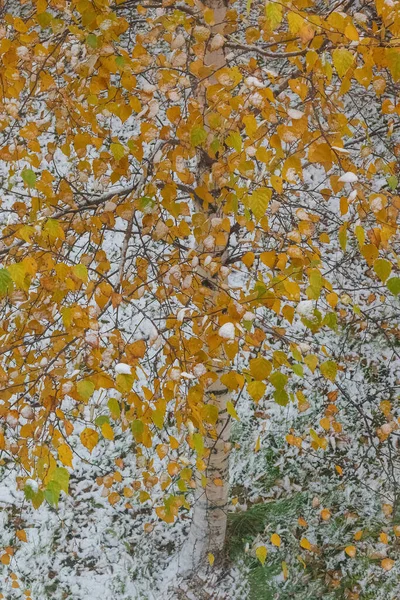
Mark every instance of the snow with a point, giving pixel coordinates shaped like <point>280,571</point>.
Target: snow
<point>348,177</point>
<point>305,308</point>
<point>123,369</point>
<point>32,484</point>
<point>227,331</point>
<point>295,114</point>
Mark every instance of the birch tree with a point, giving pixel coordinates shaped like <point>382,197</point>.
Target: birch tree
<point>188,189</point>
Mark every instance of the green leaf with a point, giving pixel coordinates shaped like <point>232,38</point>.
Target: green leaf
<point>157,417</point>
<point>198,136</point>
<point>210,413</point>
<point>281,397</point>
<point>198,444</point>
<point>329,370</point>
<point>258,202</point>
<point>117,150</point>
<point>393,285</point>
<point>393,60</point>
<point>6,283</point>
<point>19,274</point>
<point>278,380</point>
<point>342,60</point>
<point>261,553</point>
<point>85,389</point>
<point>146,202</point>
<point>92,40</point>
<point>61,477</point>
<point>273,14</point>
<point>52,493</point>
<point>44,19</point>
<point>114,408</point>
<point>298,369</point>
<point>101,420</point>
<point>119,61</point>
<point>382,268</point>
<point>29,177</point>
<point>343,236</point>
<point>53,230</point>
<point>124,382</point>
<point>137,428</point>
<point>393,182</point>
<point>330,320</point>
<point>81,272</point>
<point>234,140</point>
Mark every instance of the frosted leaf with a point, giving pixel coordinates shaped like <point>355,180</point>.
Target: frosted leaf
<point>353,195</point>
<point>27,412</point>
<point>348,177</point>
<point>341,150</point>
<point>175,374</point>
<point>31,483</point>
<point>249,316</point>
<point>123,369</point>
<point>305,308</point>
<point>199,370</point>
<point>295,114</point>
<point>185,375</point>
<point>253,82</point>
<point>227,331</point>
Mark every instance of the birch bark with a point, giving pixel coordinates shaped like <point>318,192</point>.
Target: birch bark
<point>208,527</point>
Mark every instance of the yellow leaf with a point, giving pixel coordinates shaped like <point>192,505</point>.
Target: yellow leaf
<point>261,553</point>
<point>248,259</point>
<point>232,411</point>
<point>65,455</point>
<point>325,514</point>
<point>258,202</point>
<point>329,370</point>
<point>21,535</point>
<point>113,498</point>
<point>351,551</point>
<point>387,564</point>
<point>351,32</point>
<point>268,258</point>
<point>89,438</point>
<point>320,153</point>
<point>285,570</point>
<point>211,558</point>
<point>260,368</point>
<point>273,14</point>
<point>382,268</point>
<point>383,537</point>
<point>257,445</point>
<point>107,431</point>
<point>137,349</point>
<point>342,60</point>
<point>275,540</point>
<point>304,543</point>
<point>256,390</point>
<point>325,423</point>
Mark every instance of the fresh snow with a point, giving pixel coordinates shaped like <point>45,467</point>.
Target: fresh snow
<point>348,177</point>
<point>123,369</point>
<point>227,331</point>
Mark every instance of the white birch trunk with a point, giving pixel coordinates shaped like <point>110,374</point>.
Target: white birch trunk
<point>208,527</point>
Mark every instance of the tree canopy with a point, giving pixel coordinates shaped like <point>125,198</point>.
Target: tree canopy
<point>200,200</point>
